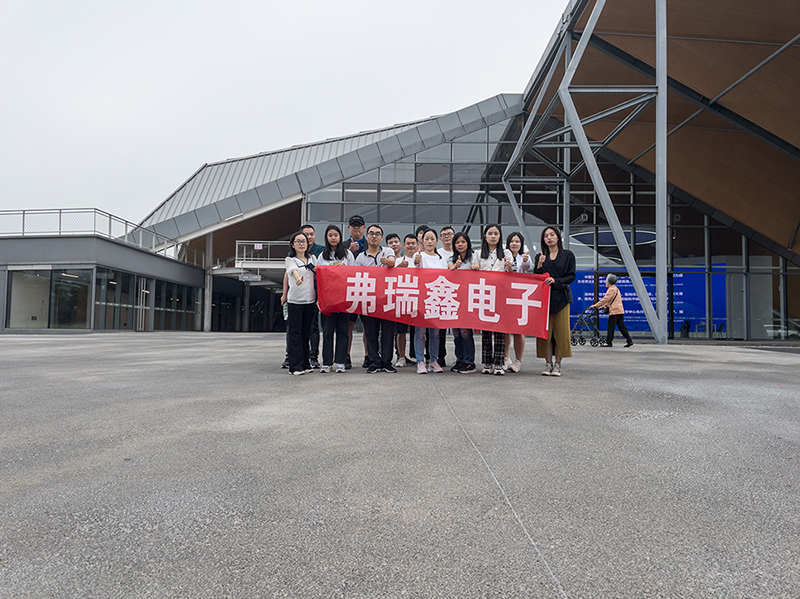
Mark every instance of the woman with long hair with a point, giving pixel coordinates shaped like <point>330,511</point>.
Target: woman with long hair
<point>300,300</point>
<point>520,262</point>
<point>492,257</point>
<point>559,266</point>
<point>463,338</point>
<point>427,258</point>
<point>336,323</point>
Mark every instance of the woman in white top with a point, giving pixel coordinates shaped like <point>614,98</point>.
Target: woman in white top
<point>336,323</point>
<point>492,257</point>
<point>515,244</point>
<point>300,301</point>
<point>463,338</point>
<point>428,258</point>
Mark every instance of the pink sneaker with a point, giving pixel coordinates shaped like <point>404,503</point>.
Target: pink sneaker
<point>435,367</point>
<point>421,368</point>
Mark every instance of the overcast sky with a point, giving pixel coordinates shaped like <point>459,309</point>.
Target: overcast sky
<point>114,104</point>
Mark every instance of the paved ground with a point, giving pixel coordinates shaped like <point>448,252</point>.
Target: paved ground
<point>190,465</point>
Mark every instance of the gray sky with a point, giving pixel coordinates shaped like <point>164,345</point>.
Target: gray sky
<point>113,105</point>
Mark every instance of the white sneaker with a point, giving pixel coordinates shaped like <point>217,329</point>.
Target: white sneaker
<point>487,369</point>
<point>324,368</point>
<point>515,366</point>
<point>421,369</point>
<point>557,369</point>
<point>400,363</point>
<point>548,369</point>
<point>499,371</point>
<point>340,368</point>
<point>507,363</point>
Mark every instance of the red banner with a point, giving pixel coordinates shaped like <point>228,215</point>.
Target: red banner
<point>439,299</point>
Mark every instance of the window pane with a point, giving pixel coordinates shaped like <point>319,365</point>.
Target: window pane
<point>469,152</point>
<point>29,299</point>
<point>69,299</point>
<point>398,172</point>
<point>433,194</point>
<point>361,192</point>
<point>439,153</point>
<point>394,194</point>
<point>433,173</point>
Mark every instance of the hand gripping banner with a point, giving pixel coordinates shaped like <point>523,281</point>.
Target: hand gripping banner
<point>439,299</point>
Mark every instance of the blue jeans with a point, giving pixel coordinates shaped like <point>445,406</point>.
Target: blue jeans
<point>465,345</point>
<point>419,344</point>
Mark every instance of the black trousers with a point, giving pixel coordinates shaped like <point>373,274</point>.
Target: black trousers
<point>334,324</point>
<point>314,339</point>
<point>380,340</point>
<point>299,333</point>
<point>617,321</point>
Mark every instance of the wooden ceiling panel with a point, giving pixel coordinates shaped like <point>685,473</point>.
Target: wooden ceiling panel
<point>731,171</point>
<point>745,20</point>
<point>771,97</point>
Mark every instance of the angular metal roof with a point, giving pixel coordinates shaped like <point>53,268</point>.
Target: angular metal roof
<point>220,180</point>
<point>733,90</point>
<point>230,188</point>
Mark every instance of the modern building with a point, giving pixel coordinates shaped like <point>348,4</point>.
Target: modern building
<point>660,136</point>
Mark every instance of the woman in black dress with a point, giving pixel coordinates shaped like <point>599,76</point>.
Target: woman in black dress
<point>559,265</point>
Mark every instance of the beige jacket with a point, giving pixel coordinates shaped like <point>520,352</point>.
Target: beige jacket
<point>612,299</point>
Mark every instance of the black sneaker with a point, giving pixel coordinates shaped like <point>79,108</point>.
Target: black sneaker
<point>629,343</point>
<point>314,364</point>
<point>441,362</point>
<point>373,370</point>
<point>467,369</point>
<point>390,369</point>
<point>457,366</point>
<point>366,362</point>
<point>347,363</point>
<point>285,364</point>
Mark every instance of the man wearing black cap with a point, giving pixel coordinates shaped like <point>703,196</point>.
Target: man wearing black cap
<point>357,241</point>
<point>358,245</point>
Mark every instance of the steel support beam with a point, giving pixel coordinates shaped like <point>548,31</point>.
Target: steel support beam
<point>660,331</point>
<point>571,116</point>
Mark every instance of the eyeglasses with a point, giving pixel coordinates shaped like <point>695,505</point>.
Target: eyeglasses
<point>374,234</point>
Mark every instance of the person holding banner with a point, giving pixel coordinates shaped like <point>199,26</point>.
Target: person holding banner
<point>463,338</point>
<point>406,260</point>
<point>301,299</point>
<point>428,259</point>
<point>336,323</point>
<point>515,243</point>
<point>378,332</point>
<point>492,257</point>
<point>559,266</point>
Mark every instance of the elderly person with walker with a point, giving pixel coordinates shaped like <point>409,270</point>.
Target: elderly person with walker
<point>612,300</point>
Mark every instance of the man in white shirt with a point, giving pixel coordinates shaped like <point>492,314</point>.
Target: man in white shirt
<point>410,247</point>
<point>378,332</point>
<point>446,252</point>
<point>446,237</point>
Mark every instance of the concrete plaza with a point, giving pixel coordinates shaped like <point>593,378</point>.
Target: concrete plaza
<point>191,465</point>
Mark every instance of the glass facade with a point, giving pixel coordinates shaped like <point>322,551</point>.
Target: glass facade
<point>721,285</point>
<point>45,299</point>
<point>62,299</point>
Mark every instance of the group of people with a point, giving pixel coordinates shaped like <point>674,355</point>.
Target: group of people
<point>428,248</point>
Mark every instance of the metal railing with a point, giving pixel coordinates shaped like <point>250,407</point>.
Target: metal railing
<point>91,221</point>
<point>261,251</point>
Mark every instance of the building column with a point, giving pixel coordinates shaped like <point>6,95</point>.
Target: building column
<point>246,315</point>
<point>209,287</point>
